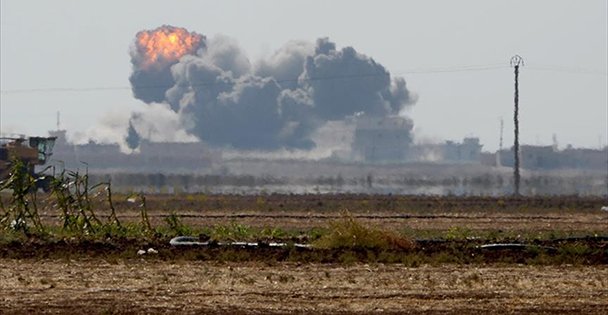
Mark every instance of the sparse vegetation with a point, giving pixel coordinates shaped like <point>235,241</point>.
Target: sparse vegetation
<point>76,217</point>
<point>21,213</point>
<point>175,225</point>
<point>72,198</point>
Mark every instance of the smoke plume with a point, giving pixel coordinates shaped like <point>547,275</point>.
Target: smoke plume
<point>153,55</point>
<point>220,97</point>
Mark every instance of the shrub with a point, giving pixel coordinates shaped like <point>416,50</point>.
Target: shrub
<point>347,232</point>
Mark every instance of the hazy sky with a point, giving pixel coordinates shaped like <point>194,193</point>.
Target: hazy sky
<point>63,44</point>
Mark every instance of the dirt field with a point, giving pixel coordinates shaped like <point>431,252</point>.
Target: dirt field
<point>106,276</point>
<point>547,221</point>
<point>141,286</point>
<point>562,213</point>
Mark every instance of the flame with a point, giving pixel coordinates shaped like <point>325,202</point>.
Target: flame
<point>166,44</point>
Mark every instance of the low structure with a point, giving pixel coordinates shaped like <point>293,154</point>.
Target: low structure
<point>151,157</point>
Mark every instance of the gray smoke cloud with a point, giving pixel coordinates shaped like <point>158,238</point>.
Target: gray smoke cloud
<point>220,97</point>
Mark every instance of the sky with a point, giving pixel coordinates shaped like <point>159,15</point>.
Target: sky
<point>59,56</point>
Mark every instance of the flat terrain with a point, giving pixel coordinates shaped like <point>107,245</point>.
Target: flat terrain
<point>155,287</point>
<point>474,220</point>
<point>298,212</point>
<point>564,271</point>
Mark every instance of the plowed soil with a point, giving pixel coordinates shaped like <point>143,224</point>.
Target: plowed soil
<point>155,287</point>
<point>559,213</point>
<point>106,276</point>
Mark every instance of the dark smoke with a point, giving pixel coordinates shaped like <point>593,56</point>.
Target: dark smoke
<point>150,86</point>
<point>132,138</point>
<point>224,100</point>
<point>355,83</point>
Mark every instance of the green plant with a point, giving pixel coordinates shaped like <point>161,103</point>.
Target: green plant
<point>458,233</point>
<point>73,196</point>
<point>145,220</point>
<point>82,192</point>
<point>176,227</point>
<point>273,233</point>
<point>22,211</point>
<point>72,193</point>
<point>575,250</point>
<point>232,232</point>
<point>112,219</point>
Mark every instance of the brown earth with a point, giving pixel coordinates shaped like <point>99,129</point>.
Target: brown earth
<point>293,212</point>
<point>106,276</point>
<point>153,287</point>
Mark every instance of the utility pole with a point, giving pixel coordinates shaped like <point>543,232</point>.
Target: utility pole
<point>516,61</point>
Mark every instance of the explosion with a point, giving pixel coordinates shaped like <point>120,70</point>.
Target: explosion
<point>209,89</point>
<point>166,44</point>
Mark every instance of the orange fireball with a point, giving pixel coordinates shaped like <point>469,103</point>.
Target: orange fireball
<point>166,44</point>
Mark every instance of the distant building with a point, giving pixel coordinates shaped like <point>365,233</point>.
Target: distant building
<point>550,158</point>
<point>467,151</point>
<point>374,140</point>
<point>382,139</point>
<point>450,152</point>
<point>585,158</point>
<point>176,157</point>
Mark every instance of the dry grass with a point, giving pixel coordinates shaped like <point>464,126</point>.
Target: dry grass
<point>348,232</point>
